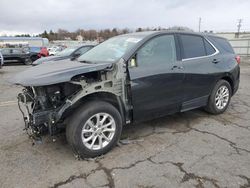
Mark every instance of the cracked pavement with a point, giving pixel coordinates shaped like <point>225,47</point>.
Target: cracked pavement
<point>191,149</point>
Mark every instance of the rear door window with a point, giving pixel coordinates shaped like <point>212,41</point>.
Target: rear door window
<point>193,46</point>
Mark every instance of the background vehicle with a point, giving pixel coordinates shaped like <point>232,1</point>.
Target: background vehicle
<point>54,49</point>
<point>128,78</point>
<point>68,53</point>
<point>38,52</point>
<point>21,55</point>
<point>43,52</point>
<point>1,59</point>
<point>36,45</point>
<point>34,51</point>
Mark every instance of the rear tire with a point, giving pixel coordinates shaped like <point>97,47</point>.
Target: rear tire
<point>94,129</point>
<point>34,58</point>
<point>220,98</point>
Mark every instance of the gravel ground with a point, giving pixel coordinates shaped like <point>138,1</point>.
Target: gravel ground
<point>191,149</point>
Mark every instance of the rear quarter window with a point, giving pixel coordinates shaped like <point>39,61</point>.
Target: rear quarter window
<point>222,44</point>
<point>209,48</point>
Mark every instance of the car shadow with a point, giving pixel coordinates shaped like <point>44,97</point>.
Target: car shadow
<point>176,123</point>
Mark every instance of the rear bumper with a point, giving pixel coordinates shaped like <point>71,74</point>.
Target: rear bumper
<point>236,80</point>
<point>1,63</point>
<point>236,86</point>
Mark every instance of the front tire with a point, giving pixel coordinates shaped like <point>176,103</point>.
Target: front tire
<point>220,98</point>
<point>27,62</point>
<point>94,129</point>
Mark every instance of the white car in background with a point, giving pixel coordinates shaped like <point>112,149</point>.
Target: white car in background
<point>54,50</point>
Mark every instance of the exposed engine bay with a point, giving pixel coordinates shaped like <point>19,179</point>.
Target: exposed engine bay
<point>45,108</point>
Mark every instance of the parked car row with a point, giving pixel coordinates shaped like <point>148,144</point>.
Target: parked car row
<point>39,55</point>
<point>126,79</point>
<point>23,55</point>
<point>67,53</point>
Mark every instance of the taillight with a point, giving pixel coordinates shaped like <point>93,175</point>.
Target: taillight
<point>237,59</point>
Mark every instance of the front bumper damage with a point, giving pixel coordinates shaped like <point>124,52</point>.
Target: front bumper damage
<point>46,108</point>
<point>37,123</point>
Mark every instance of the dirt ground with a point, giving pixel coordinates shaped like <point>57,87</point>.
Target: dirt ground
<point>191,149</point>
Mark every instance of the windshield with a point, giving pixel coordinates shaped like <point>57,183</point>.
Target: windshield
<point>112,49</point>
<point>66,51</point>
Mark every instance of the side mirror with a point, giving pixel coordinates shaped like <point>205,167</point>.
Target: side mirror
<point>132,62</point>
<point>74,56</point>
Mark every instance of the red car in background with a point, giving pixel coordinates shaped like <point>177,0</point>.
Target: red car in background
<point>38,52</point>
<point>43,52</point>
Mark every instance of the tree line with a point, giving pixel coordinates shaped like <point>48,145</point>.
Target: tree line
<point>62,34</point>
<point>91,34</point>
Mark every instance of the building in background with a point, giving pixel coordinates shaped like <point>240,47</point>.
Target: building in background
<point>12,42</point>
<point>71,43</point>
<point>79,38</point>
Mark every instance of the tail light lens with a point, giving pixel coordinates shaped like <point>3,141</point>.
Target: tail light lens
<point>237,59</point>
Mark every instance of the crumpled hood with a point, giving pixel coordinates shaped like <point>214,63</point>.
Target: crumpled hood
<point>55,72</point>
<point>49,58</point>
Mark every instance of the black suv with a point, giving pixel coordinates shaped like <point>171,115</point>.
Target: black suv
<point>21,55</point>
<point>1,59</point>
<point>128,78</point>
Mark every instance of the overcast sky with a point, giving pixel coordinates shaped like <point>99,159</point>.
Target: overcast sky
<point>35,16</point>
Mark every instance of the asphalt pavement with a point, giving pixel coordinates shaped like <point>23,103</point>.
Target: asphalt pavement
<point>191,149</point>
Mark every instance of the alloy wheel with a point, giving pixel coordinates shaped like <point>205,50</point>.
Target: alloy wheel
<point>98,131</point>
<point>222,97</point>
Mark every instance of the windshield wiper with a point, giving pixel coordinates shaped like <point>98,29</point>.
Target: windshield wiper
<point>85,61</point>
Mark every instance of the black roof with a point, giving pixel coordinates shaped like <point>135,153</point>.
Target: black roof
<point>147,35</point>
<point>154,33</point>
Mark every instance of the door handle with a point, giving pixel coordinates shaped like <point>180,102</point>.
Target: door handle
<point>215,61</point>
<point>176,67</point>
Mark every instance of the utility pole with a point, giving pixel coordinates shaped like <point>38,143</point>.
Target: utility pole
<point>199,24</point>
<point>239,26</point>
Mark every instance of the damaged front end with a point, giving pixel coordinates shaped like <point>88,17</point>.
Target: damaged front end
<point>44,106</point>
<point>40,107</point>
